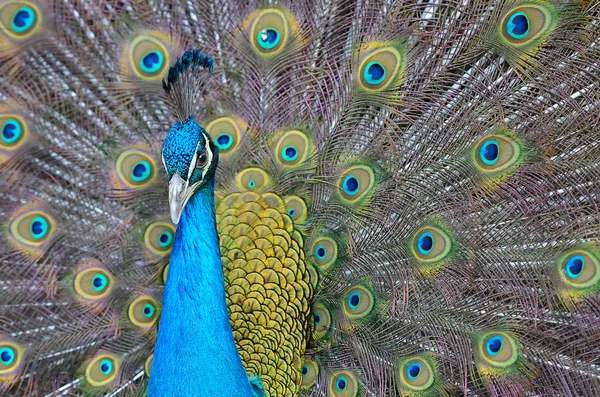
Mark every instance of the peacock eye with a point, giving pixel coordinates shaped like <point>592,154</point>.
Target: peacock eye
<point>159,237</point>
<point>33,228</point>
<point>224,141</point>
<point>381,68</point>
<point>527,24</point>
<point>341,383</point>
<point>518,25</point>
<point>102,370</point>
<point>152,62</point>
<point>414,374</point>
<point>356,183</point>
<point>226,133</point>
<point>579,269</point>
<point>498,349</point>
<point>496,153</point>
<point>93,283</point>
<point>574,266</point>
<point>135,168</point>
<point>325,251</point>
<point>289,153</point>
<point>268,38</point>
<point>413,371</point>
<point>310,371</point>
<point>296,208</point>
<point>292,149</point>
<point>431,244</point>
<point>374,73</point>
<point>359,301</point>
<point>7,355</point>
<point>11,356</point>
<point>344,384</point>
<point>202,160</point>
<point>106,367</point>
<point>143,311</point>
<point>494,345</point>
<point>489,152</point>
<point>253,179</point>
<point>19,19</point>
<point>148,57</point>
<point>11,132</point>
<point>322,320</point>
<point>270,31</point>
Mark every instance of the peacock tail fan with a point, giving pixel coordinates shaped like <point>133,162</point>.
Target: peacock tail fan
<point>406,197</point>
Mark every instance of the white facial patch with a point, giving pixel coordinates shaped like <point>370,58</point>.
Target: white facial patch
<point>193,163</point>
<point>164,162</point>
<point>209,156</point>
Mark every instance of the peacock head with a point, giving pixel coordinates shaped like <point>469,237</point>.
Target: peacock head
<point>190,159</point>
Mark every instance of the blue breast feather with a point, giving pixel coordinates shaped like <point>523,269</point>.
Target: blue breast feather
<point>195,353</point>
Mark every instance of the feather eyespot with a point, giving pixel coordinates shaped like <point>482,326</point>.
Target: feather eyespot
<point>13,132</point>
<point>19,19</point>
<point>356,183</point>
<point>159,237</point>
<point>143,311</point>
<point>526,24</point>
<point>374,73</point>
<point>226,133</point>
<point>135,168</point>
<point>93,283</point>
<point>498,349</point>
<point>518,25</point>
<point>414,374</point>
<point>224,141</point>
<point>33,228</point>
<point>343,384</point>
<point>489,152</point>
<point>310,372</point>
<point>380,68</point>
<point>322,321</point>
<point>268,38</point>
<point>7,356</point>
<point>10,359</point>
<point>579,269</point>
<point>496,153</point>
<point>148,57</point>
<point>296,208</point>
<point>102,370</point>
<point>431,244</point>
<point>270,31</point>
<point>325,252</point>
<point>253,179</point>
<point>292,149</point>
<point>358,302</point>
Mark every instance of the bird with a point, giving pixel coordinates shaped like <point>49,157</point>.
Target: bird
<point>308,198</point>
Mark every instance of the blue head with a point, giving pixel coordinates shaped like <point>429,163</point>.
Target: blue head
<point>190,159</point>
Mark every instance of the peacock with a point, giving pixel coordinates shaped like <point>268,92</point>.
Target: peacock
<point>300,198</point>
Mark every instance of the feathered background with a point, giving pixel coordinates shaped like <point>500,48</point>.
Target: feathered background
<point>391,108</point>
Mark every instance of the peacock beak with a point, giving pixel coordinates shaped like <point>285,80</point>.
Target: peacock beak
<point>179,194</point>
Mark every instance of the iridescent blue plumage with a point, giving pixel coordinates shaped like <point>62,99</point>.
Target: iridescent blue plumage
<point>195,353</point>
<point>180,146</point>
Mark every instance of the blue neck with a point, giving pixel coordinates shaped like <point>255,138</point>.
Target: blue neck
<point>195,353</point>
